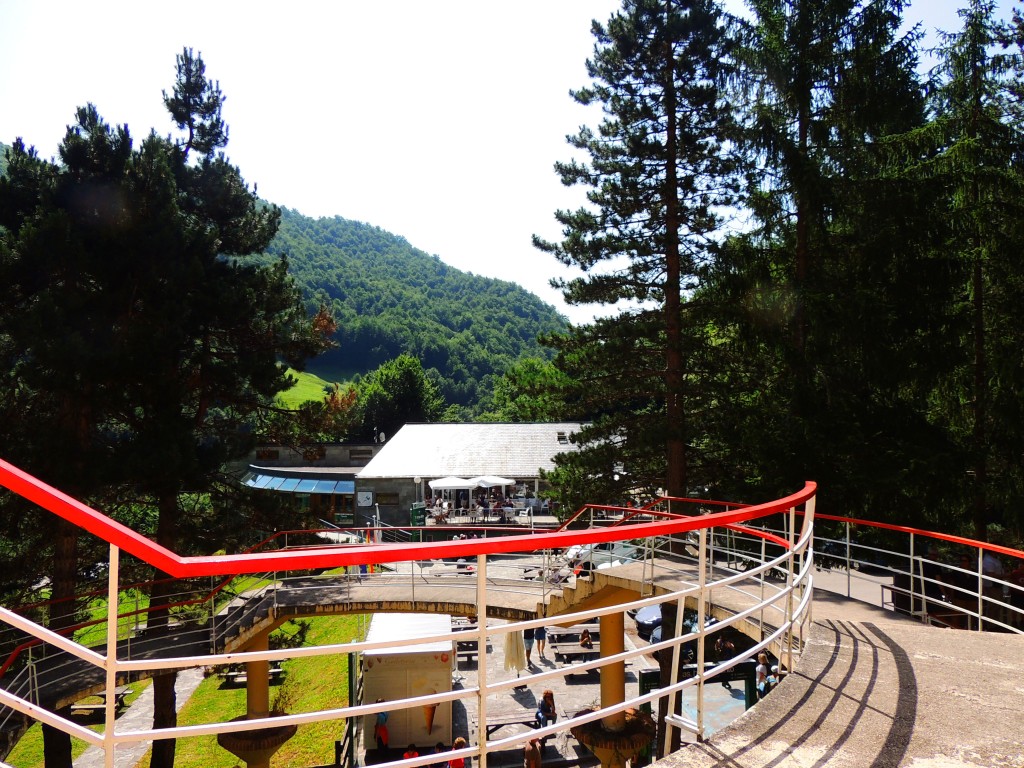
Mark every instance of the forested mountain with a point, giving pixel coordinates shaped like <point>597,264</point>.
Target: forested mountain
<point>389,297</point>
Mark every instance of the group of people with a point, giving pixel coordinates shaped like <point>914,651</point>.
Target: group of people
<point>380,735</point>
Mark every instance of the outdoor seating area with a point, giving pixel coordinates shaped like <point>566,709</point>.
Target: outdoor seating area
<point>97,702</point>
<point>581,642</point>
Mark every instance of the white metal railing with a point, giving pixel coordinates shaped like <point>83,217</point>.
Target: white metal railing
<point>775,613</point>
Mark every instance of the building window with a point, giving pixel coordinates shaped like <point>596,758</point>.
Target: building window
<point>563,438</point>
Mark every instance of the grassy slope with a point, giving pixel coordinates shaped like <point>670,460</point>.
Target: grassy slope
<point>311,684</point>
<point>309,387</point>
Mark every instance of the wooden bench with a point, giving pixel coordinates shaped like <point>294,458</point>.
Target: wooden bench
<point>120,694</point>
<point>524,717</point>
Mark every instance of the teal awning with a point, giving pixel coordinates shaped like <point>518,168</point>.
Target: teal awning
<point>290,484</point>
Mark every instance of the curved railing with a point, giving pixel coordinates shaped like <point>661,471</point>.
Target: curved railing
<point>749,569</point>
<point>675,569</point>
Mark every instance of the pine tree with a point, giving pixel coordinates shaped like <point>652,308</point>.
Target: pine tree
<point>971,150</point>
<point>138,327</point>
<point>835,259</point>
<point>659,175</point>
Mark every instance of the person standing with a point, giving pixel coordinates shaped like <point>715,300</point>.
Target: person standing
<point>440,749</point>
<point>380,729</point>
<point>724,650</point>
<point>458,762</point>
<point>528,643</point>
<point>540,637</point>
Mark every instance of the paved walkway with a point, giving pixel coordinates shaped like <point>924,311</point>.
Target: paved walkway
<point>139,716</point>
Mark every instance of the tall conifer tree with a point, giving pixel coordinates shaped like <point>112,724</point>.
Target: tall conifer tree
<point>658,176</point>
<point>138,330</point>
<point>972,151</point>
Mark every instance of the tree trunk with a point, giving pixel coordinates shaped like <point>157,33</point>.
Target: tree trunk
<point>165,713</point>
<point>980,407</point>
<point>164,716</point>
<point>57,743</point>
<point>675,412</point>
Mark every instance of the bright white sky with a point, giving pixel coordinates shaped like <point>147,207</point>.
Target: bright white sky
<point>437,121</point>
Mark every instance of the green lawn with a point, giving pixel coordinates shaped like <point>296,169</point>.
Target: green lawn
<point>28,752</point>
<point>310,684</point>
<point>309,387</point>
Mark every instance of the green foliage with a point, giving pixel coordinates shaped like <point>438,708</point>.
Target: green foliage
<point>395,394</point>
<point>533,389</point>
<point>391,299</point>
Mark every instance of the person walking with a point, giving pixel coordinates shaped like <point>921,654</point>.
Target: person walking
<point>528,643</point>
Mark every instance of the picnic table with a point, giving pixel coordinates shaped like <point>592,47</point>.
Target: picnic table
<point>567,651</point>
<point>121,692</point>
<point>522,717</point>
<point>240,676</point>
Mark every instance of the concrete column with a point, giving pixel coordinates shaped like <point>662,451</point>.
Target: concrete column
<point>257,693</point>
<point>613,676</point>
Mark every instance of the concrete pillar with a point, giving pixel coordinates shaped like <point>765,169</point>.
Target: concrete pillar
<point>257,693</point>
<point>613,676</point>
<point>257,687</point>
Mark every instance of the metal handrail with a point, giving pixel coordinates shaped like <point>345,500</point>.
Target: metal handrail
<point>334,556</point>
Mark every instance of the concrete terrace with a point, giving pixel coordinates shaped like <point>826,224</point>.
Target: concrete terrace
<point>875,688</point>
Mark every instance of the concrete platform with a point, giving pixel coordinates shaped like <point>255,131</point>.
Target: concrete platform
<point>875,690</point>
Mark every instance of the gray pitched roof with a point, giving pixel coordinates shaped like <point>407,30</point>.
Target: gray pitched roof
<point>468,450</point>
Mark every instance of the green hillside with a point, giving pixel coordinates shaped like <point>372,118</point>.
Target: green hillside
<point>390,298</point>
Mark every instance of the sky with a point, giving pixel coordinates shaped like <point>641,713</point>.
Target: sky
<point>437,121</point>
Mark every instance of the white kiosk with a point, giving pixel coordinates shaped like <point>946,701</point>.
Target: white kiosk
<point>401,672</point>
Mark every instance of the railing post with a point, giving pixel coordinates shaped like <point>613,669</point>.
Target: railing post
<point>110,661</point>
<point>702,554</point>
<point>789,589</point>
<point>673,676</point>
<point>849,562</point>
<point>910,570</point>
<point>981,585</point>
<point>481,651</point>
<point>760,620</point>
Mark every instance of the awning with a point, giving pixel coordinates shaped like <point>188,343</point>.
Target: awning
<point>291,484</point>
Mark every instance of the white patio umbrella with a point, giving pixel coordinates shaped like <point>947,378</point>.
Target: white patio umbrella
<point>515,651</point>
<point>491,481</point>
<point>450,484</point>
